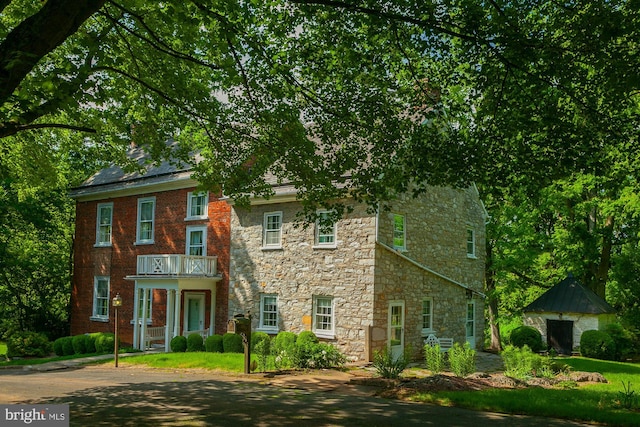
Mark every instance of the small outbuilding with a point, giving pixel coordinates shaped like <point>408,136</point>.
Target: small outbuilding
<point>565,311</point>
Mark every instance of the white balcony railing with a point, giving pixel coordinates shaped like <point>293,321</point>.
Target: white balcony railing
<point>177,265</point>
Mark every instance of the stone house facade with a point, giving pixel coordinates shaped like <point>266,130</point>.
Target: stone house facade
<point>369,281</point>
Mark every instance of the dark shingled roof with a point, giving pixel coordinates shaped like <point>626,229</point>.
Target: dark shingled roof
<point>569,296</point>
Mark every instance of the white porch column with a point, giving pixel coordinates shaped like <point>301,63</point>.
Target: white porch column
<point>167,323</point>
<point>145,304</point>
<point>176,316</point>
<point>212,311</point>
<point>136,325</point>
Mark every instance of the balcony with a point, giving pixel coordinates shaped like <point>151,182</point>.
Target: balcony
<point>177,265</point>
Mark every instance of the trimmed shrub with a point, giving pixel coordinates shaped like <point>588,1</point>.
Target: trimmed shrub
<point>623,338</point>
<point>317,356</point>
<point>178,344</point>
<point>67,346</point>
<point>21,344</point>
<point>105,342</point>
<point>232,343</point>
<point>283,348</point>
<point>529,336</point>
<point>307,336</point>
<point>256,337</point>
<point>195,343</point>
<point>434,359</point>
<point>57,346</point>
<point>462,359</point>
<point>213,344</point>
<point>79,343</point>
<point>597,345</point>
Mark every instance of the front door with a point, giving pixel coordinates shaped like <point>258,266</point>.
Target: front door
<point>560,335</point>
<point>193,311</point>
<point>396,329</point>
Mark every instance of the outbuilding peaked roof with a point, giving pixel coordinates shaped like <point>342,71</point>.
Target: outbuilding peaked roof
<point>570,296</point>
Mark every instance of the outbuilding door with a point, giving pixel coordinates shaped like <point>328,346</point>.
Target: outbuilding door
<point>560,335</point>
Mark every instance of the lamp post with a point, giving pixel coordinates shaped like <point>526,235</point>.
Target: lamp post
<point>117,302</point>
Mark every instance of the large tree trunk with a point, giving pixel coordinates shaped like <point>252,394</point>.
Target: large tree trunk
<point>38,35</point>
<point>492,296</point>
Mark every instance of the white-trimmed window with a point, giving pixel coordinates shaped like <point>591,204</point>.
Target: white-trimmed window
<point>146,217</point>
<point>272,235</point>
<point>149,293</point>
<point>471,243</point>
<point>196,241</point>
<point>100,298</point>
<point>325,230</point>
<point>323,316</point>
<point>197,205</point>
<point>427,315</point>
<point>399,232</point>
<point>268,312</point>
<point>104,224</point>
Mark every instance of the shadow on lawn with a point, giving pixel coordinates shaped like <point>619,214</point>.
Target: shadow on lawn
<point>217,403</point>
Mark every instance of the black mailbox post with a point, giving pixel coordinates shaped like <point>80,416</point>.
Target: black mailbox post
<point>241,325</point>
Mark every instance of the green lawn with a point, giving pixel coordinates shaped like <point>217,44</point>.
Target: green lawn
<point>3,348</point>
<point>230,362</point>
<point>600,403</point>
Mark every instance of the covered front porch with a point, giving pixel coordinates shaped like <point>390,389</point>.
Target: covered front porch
<point>187,286</point>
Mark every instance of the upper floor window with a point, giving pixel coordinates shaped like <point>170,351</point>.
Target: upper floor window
<point>146,217</point>
<point>196,241</point>
<point>272,234</point>
<point>100,298</point>
<point>268,312</point>
<point>323,316</point>
<point>104,224</point>
<point>427,315</point>
<point>325,230</point>
<point>471,243</point>
<point>399,232</point>
<point>197,204</point>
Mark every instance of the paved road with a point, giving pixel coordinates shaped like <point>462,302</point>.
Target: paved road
<point>133,396</point>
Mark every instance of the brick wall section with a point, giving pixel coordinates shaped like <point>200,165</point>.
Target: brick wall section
<point>119,260</point>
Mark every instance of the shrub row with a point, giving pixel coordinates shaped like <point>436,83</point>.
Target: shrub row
<point>288,350</point>
<point>24,344</point>
<point>98,342</point>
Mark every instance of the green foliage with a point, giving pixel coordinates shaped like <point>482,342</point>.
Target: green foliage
<point>262,349</point>
<point>80,344</point>
<point>387,366</point>
<point>67,346</point>
<point>213,344</point>
<point>307,337</point>
<point>283,349</point>
<point>232,343</point>
<point>522,363</point>
<point>195,342</point>
<point>462,359</point>
<point>105,342</point>
<point>529,336</point>
<point>624,340</point>
<point>256,337</point>
<point>178,344</point>
<point>57,346</point>
<point>434,359</point>
<point>21,344</point>
<point>597,345</point>
<point>628,397</point>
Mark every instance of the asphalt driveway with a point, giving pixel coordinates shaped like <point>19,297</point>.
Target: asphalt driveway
<point>133,396</point>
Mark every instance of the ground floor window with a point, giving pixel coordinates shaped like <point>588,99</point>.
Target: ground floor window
<point>268,312</point>
<point>427,315</point>
<point>100,298</point>
<point>323,316</point>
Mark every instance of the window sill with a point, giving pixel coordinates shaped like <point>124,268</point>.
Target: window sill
<point>471,256</point>
<point>401,250</point>
<point>325,246</point>
<point>427,332</point>
<point>144,242</point>
<point>271,248</point>
<point>99,319</point>
<point>325,335</point>
<point>268,330</point>
<point>139,322</point>
<point>196,218</point>
<point>102,245</point>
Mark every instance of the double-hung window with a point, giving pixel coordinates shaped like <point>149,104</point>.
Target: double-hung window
<point>100,298</point>
<point>427,315</point>
<point>197,204</point>
<point>197,241</point>
<point>325,230</point>
<point>323,316</point>
<point>141,296</point>
<point>268,312</point>
<point>146,218</point>
<point>272,234</point>
<point>471,243</point>
<point>399,232</point>
<point>104,224</point>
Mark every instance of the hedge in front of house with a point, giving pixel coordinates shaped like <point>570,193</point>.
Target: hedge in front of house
<point>232,343</point>
<point>213,344</point>
<point>27,343</point>
<point>178,344</point>
<point>529,336</point>
<point>194,343</point>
